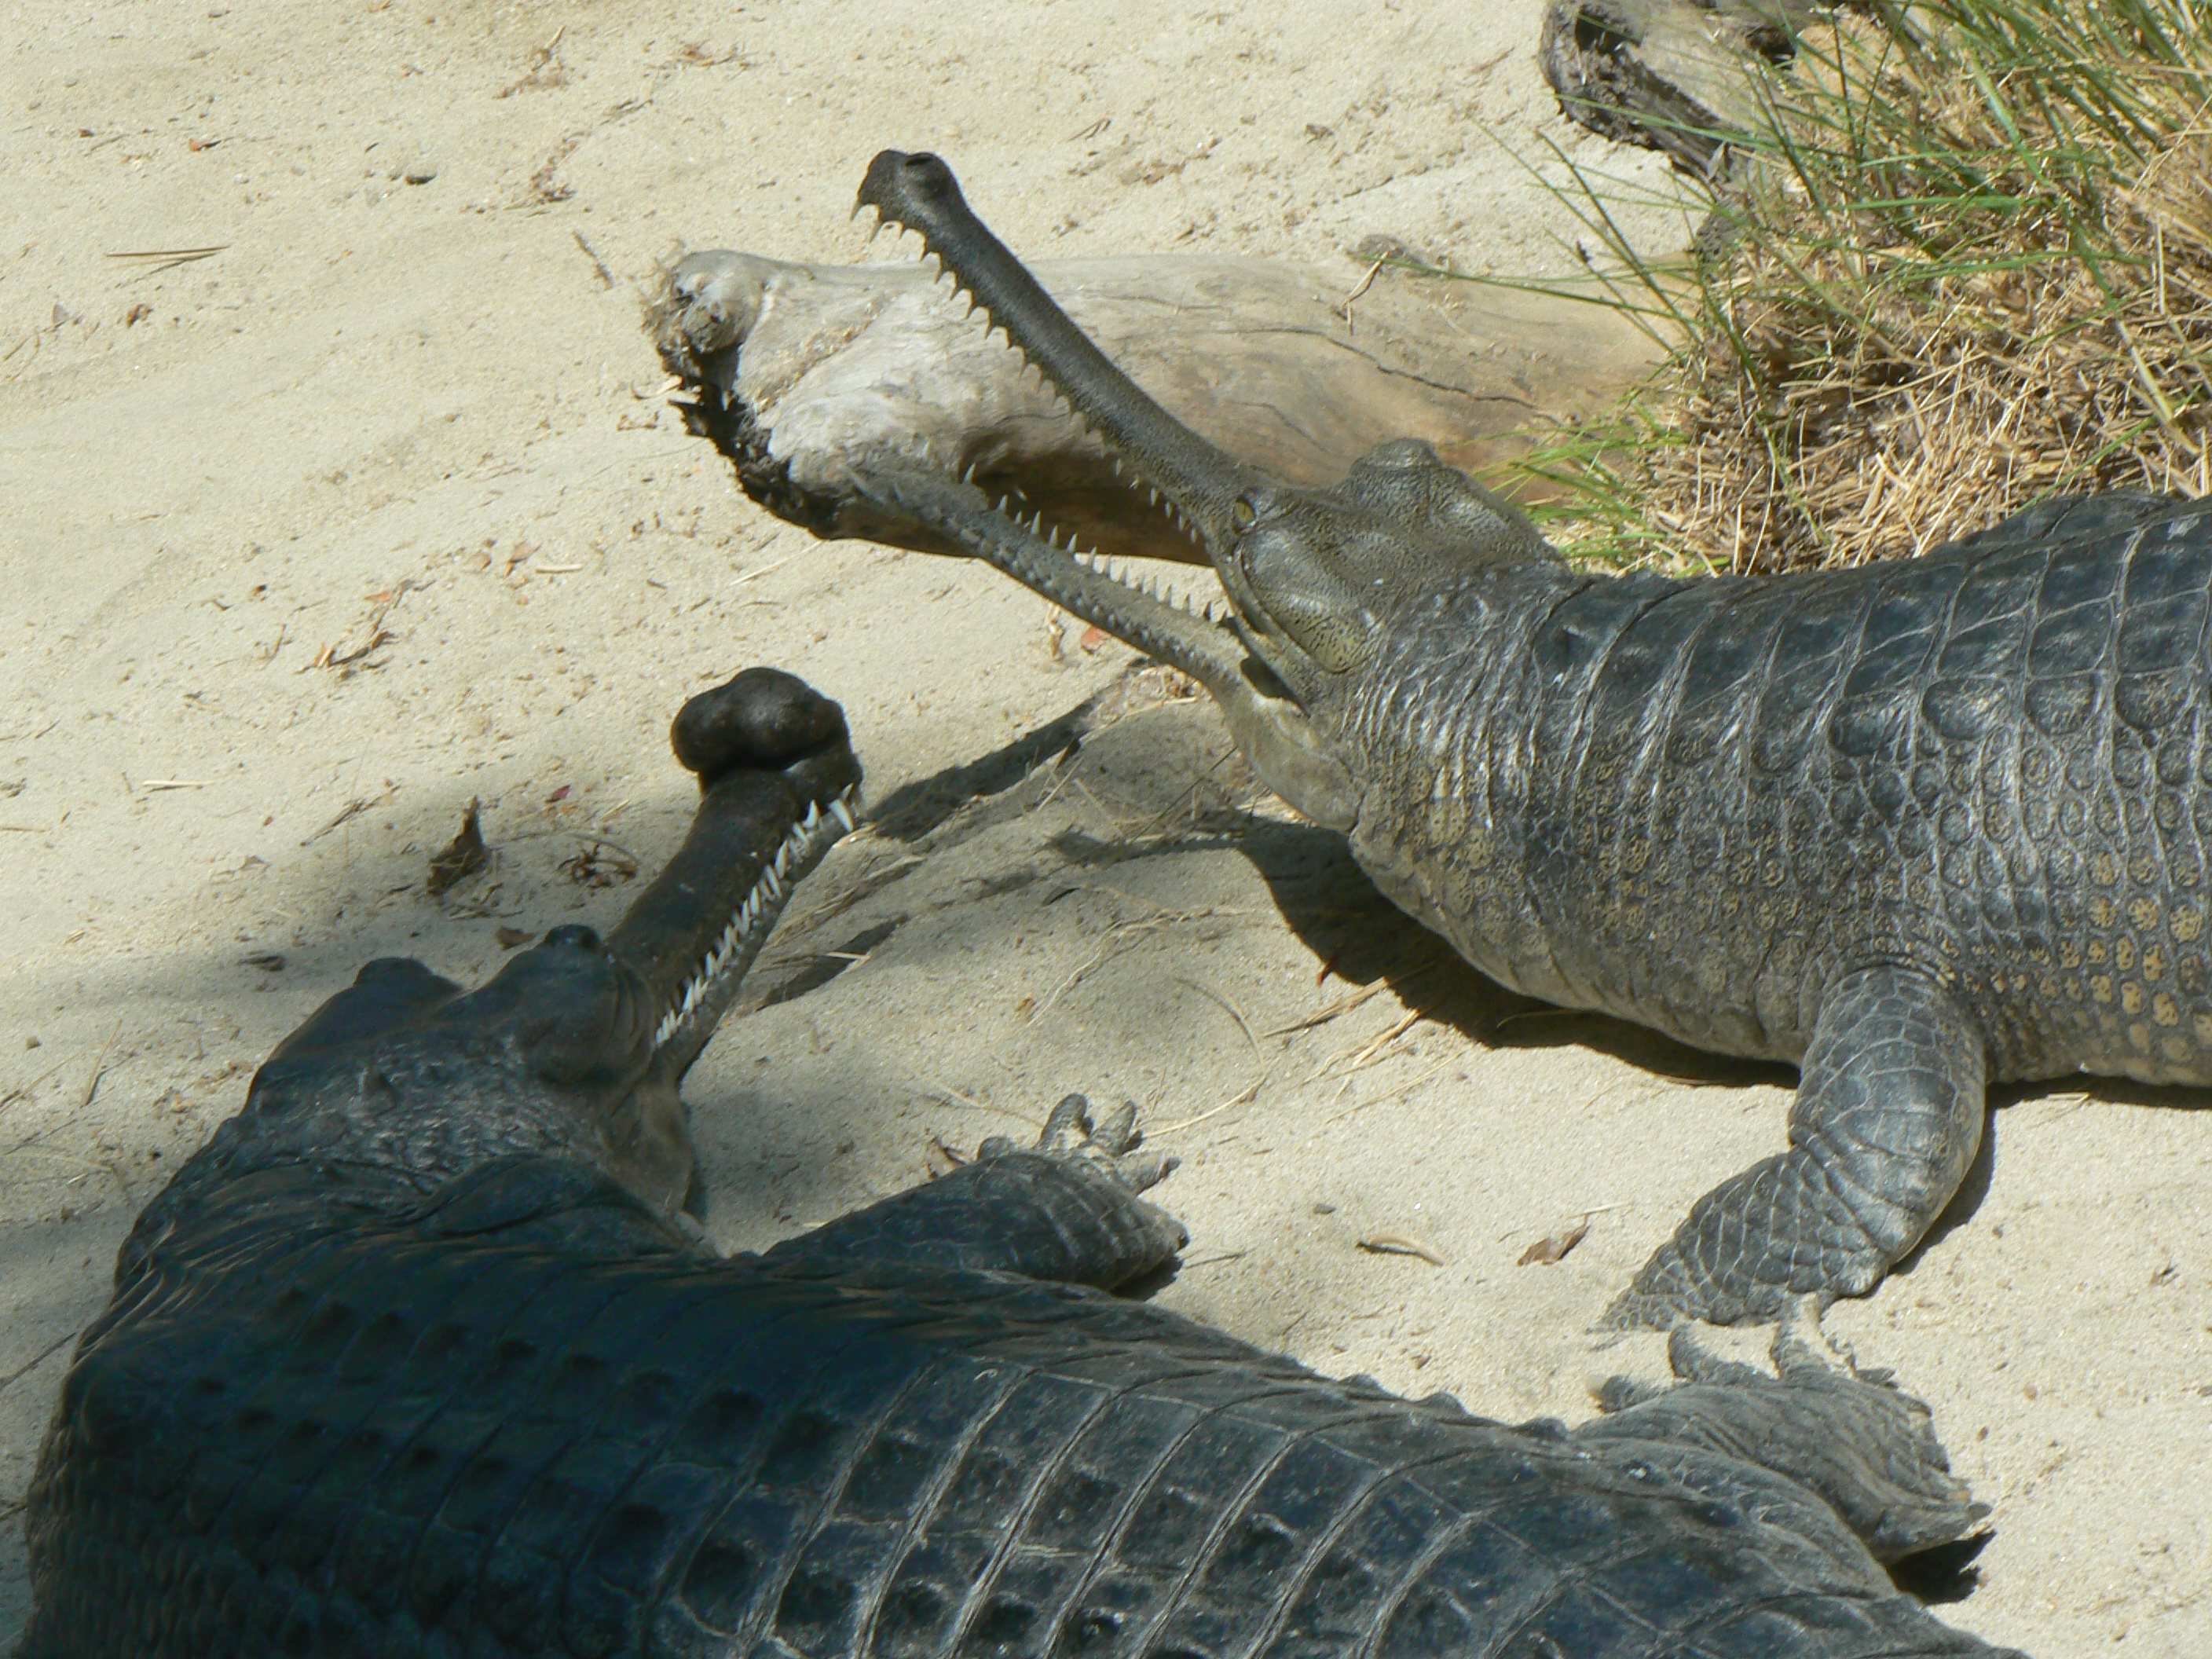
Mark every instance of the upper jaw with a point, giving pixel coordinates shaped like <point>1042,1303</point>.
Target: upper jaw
<point>1202,488</point>
<point>1200,484</point>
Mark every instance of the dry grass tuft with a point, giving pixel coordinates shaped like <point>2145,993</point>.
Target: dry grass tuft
<point>1970,266</point>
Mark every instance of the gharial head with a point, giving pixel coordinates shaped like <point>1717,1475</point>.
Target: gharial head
<point>1313,576</point>
<point>577,1045</point>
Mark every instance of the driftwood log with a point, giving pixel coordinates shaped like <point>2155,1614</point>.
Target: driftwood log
<point>799,370</point>
<point>1677,76</point>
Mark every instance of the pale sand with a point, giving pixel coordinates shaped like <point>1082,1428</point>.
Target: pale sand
<point>419,408</point>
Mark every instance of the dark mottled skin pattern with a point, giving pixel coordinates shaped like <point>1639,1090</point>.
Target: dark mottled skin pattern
<point>396,1366</point>
<point>522,1416</point>
<point>1918,825</point>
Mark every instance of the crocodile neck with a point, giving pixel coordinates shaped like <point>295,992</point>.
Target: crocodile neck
<point>1510,802</point>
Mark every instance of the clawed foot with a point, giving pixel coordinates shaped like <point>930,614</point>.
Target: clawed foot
<point>1852,1436</point>
<point>1109,1147</point>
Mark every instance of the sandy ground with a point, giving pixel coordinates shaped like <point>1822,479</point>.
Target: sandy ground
<point>378,509</point>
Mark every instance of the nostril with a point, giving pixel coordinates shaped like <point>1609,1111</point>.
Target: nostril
<point>574,936</point>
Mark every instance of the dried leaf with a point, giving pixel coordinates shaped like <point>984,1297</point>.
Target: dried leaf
<point>463,856</point>
<point>1555,1248</point>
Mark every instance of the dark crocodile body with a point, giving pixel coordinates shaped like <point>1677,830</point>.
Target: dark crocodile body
<point>1697,804</point>
<point>433,1433</point>
<point>417,1359</point>
<point>1913,826</point>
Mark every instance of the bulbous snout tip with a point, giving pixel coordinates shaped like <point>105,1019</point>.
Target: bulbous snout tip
<point>759,719</point>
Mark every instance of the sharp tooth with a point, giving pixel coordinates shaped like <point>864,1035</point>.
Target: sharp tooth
<point>772,879</point>
<point>1156,497</point>
<point>813,814</point>
<point>842,813</point>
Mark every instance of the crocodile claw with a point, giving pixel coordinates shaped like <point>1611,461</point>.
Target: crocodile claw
<point>1109,1147</point>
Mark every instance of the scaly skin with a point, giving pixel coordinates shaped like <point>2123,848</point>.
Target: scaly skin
<point>1915,827</point>
<point>400,1366</point>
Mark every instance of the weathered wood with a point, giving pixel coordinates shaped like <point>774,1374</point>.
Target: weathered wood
<point>819,366</point>
<point>1676,76</point>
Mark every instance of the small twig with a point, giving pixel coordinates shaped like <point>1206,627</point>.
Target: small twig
<point>1250,1093</point>
<point>354,808</point>
<point>590,840</point>
<point>1215,1261</point>
<point>1227,1007</point>
<point>1344,310</point>
<point>1361,1059</point>
<point>44,1355</point>
<point>1585,1213</point>
<point>22,1088</point>
<point>1395,1243</point>
<point>755,575</point>
<point>99,1067</point>
<point>162,258</point>
<point>606,276</point>
<point>1343,1005</point>
<point>1398,1093</point>
<point>944,1094</point>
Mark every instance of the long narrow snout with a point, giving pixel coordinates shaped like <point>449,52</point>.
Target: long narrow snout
<point>779,786</point>
<point>1202,484</point>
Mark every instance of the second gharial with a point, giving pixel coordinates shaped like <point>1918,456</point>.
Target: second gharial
<point>1914,828</point>
<point>419,1358</point>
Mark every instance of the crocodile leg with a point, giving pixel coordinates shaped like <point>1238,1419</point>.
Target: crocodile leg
<point>1863,1445</point>
<point>1066,1210</point>
<point>1888,1114</point>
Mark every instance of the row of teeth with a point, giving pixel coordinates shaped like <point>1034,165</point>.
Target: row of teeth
<point>1166,505</point>
<point>1208,611</point>
<point>1151,586</point>
<point>812,835</point>
<point>1091,559</point>
<point>948,278</point>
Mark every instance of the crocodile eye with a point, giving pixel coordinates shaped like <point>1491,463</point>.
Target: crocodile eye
<point>1241,514</point>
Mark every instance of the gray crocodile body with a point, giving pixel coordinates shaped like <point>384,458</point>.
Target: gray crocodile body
<point>414,1360</point>
<point>1699,804</point>
<point>1911,827</point>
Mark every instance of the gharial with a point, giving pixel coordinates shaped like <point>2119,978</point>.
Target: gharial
<point>1915,827</point>
<point>416,1357</point>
